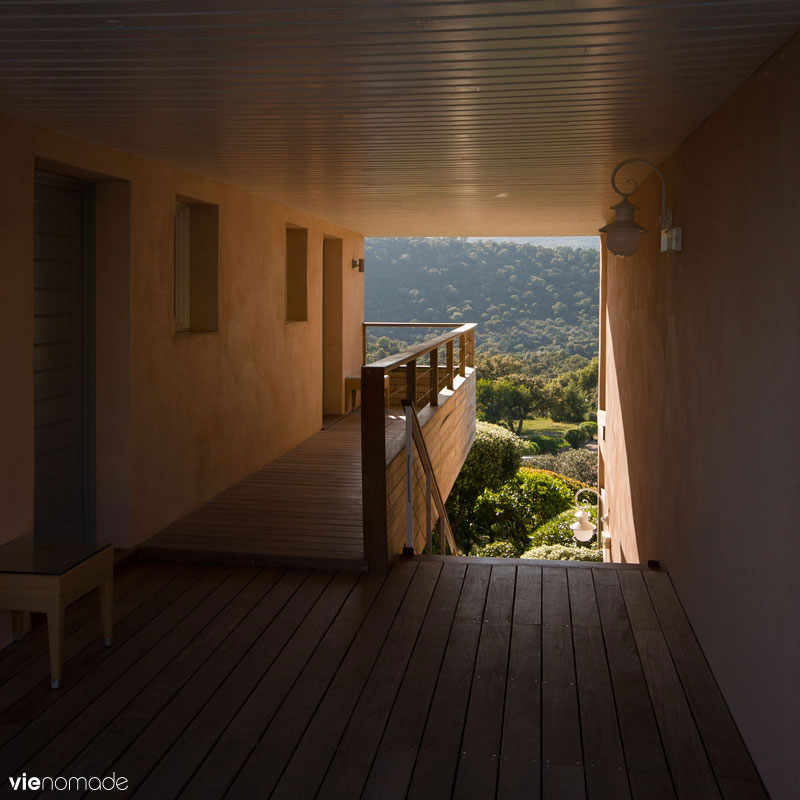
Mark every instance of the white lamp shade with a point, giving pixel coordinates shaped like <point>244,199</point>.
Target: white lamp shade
<point>624,233</point>
<point>582,530</point>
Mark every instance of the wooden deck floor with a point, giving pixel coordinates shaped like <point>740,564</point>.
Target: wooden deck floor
<point>304,507</point>
<point>438,680</point>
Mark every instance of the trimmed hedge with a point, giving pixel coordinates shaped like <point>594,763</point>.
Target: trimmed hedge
<point>498,549</point>
<point>578,464</point>
<point>548,445</point>
<point>559,552</point>
<point>576,437</point>
<point>493,459</point>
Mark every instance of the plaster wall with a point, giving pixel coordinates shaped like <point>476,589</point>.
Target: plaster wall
<point>345,304</point>
<point>178,418</point>
<point>702,374</point>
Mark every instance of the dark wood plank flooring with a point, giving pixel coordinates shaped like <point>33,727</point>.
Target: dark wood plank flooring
<point>302,509</point>
<point>445,678</point>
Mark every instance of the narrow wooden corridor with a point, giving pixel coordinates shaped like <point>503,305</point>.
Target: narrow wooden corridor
<point>303,507</point>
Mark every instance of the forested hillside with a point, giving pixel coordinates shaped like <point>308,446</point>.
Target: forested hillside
<point>525,298</point>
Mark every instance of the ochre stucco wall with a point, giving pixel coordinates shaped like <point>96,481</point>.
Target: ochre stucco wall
<point>702,383</point>
<point>179,419</point>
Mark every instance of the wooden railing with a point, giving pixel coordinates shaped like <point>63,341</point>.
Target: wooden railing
<point>432,491</point>
<point>373,412</point>
<point>433,373</point>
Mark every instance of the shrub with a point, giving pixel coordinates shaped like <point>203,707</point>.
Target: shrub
<point>548,444</point>
<point>515,510</point>
<point>493,459</point>
<point>571,484</point>
<point>498,549</point>
<point>557,531</point>
<point>544,461</point>
<point>530,448</point>
<point>576,437</point>
<point>578,464</point>
<point>590,428</point>
<point>561,553</point>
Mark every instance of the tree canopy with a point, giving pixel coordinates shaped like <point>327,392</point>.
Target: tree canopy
<point>524,298</point>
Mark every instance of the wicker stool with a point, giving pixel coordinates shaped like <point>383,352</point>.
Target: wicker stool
<point>50,586</point>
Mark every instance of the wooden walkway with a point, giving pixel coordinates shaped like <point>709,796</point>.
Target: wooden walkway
<point>303,507</point>
<point>480,680</point>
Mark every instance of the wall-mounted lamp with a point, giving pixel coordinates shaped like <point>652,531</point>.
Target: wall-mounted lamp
<point>624,233</point>
<point>583,529</point>
<point>358,263</point>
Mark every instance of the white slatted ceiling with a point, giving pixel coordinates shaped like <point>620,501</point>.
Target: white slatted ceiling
<point>450,118</point>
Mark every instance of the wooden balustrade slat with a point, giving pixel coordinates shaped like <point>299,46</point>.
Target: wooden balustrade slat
<point>450,364</point>
<point>411,381</point>
<point>433,389</point>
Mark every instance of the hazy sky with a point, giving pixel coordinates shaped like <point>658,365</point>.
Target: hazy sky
<point>589,242</point>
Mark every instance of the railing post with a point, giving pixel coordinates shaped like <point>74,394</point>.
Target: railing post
<point>471,348</point>
<point>411,382</point>
<point>462,355</point>
<point>428,525</point>
<point>363,343</point>
<point>408,550</point>
<point>433,397</point>
<point>373,468</point>
<point>450,363</point>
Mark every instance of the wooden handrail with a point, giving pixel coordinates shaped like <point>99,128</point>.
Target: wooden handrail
<point>422,349</point>
<point>413,324</point>
<point>365,325</point>
<point>447,538</point>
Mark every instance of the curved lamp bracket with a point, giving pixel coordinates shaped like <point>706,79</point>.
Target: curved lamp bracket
<point>585,501</point>
<point>666,216</point>
<point>623,235</point>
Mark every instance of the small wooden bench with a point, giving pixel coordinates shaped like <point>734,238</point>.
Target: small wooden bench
<point>352,384</point>
<point>47,580</point>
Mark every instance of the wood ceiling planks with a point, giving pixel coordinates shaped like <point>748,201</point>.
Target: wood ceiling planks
<point>449,118</point>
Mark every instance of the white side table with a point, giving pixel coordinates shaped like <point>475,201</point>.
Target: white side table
<point>47,578</point>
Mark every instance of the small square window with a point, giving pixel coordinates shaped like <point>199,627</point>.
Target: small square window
<point>196,266</point>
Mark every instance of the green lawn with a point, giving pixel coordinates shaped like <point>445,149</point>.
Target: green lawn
<point>544,426</point>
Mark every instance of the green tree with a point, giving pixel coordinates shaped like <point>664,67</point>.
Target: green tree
<point>566,402</point>
<point>514,511</point>
<point>510,400</point>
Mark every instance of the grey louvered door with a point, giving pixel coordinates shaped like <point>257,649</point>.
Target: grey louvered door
<point>62,355</point>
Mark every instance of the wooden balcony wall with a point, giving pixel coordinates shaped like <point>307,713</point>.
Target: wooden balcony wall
<point>449,431</point>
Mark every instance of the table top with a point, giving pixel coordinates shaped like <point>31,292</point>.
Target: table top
<point>55,557</point>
